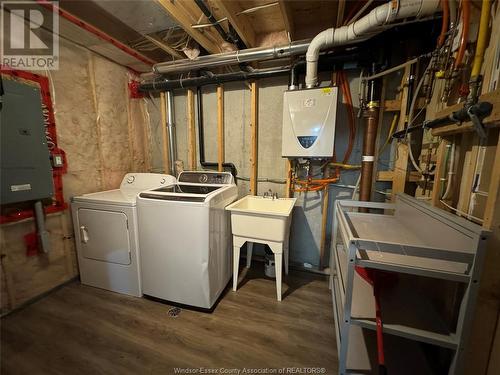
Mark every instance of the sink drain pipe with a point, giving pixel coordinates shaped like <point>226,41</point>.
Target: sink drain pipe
<point>378,20</point>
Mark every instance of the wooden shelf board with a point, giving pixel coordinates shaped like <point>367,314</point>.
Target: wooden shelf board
<point>491,121</point>
<point>387,176</point>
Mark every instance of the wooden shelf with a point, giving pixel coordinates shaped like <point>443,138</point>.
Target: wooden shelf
<point>491,121</point>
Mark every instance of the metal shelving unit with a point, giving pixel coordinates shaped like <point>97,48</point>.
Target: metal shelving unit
<point>408,237</point>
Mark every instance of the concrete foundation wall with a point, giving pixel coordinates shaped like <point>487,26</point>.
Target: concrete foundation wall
<point>306,225</point>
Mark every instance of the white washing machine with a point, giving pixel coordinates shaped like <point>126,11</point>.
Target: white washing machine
<point>185,238</point>
<point>106,234</point>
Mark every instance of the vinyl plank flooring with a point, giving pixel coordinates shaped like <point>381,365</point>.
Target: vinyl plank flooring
<point>84,330</point>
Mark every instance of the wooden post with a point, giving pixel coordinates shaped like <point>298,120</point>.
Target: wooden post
<point>470,149</point>
<point>164,134</point>
<point>379,133</point>
<point>288,192</point>
<point>254,127</point>
<point>440,168</point>
<point>324,219</point>
<point>401,164</point>
<point>147,137</point>
<point>191,131</point>
<point>220,127</point>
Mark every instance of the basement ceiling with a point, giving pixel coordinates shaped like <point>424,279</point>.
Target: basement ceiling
<point>145,17</point>
<point>160,29</point>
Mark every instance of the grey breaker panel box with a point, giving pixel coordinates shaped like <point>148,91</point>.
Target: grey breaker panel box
<point>26,172</point>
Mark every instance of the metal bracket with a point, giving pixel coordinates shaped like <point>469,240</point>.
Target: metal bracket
<point>477,123</point>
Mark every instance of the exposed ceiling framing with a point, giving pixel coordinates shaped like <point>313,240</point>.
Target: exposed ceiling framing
<point>161,29</point>
<point>286,13</point>
<point>230,10</point>
<point>186,14</point>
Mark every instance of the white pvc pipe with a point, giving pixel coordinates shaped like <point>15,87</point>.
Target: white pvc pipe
<point>374,22</point>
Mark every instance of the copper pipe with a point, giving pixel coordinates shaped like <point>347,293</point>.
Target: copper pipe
<point>465,33</point>
<point>368,158</point>
<point>444,26</point>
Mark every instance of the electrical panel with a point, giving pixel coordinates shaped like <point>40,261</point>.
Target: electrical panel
<point>309,123</point>
<point>26,172</point>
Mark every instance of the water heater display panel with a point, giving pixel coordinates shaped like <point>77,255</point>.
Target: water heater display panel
<point>309,122</point>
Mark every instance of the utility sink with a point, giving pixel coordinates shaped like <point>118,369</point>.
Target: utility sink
<point>261,218</point>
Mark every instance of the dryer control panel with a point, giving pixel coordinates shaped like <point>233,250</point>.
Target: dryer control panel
<point>206,177</point>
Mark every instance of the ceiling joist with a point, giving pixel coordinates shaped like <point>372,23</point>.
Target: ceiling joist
<point>286,13</point>
<point>162,45</point>
<point>240,23</point>
<point>186,13</point>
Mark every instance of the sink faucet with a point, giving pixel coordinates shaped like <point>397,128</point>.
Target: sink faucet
<point>269,194</point>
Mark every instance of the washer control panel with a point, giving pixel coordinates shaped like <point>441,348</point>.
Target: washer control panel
<point>206,177</point>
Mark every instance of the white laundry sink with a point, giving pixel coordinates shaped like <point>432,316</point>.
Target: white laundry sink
<point>261,218</point>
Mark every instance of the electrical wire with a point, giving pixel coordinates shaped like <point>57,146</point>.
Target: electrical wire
<point>389,134</point>
<point>464,214</point>
<point>464,37</point>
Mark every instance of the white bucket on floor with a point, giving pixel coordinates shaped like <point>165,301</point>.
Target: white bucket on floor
<point>269,268</point>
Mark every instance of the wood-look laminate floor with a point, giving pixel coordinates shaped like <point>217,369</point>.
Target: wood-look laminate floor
<point>84,330</point>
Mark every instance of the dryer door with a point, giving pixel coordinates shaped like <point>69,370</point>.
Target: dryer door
<point>104,235</point>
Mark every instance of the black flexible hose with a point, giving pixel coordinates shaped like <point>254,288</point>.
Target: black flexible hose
<point>201,138</point>
<point>228,37</point>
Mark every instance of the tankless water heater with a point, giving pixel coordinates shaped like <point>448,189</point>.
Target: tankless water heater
<point>309,118</point>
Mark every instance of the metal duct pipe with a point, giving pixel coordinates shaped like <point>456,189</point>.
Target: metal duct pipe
<point>172,144</point>
<point>212,79</point>
<point>232,58</point>
<point>376,21</point>
<point>165,85</point>
<point>43,234</point>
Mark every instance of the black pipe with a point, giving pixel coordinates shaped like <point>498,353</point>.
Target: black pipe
<point>228,37</point>
<point>209,78</point>
<point>201,138</point>
<point>480,110</point>
<point>167,85</point>
<point>294,75</point>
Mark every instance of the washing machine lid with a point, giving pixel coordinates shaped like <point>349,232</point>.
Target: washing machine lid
<point>123,197</point>
<point>182,192</point>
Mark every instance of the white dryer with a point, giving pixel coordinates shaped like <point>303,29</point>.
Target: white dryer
<point>185,238</point>
<point>106,234</point>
